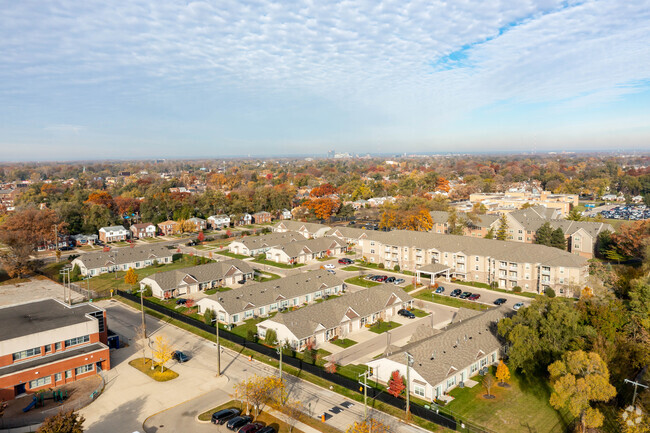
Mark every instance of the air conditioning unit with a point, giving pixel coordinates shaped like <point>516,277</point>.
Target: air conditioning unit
<point>461,385</point>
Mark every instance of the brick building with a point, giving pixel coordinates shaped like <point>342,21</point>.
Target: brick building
<point>45,344</point>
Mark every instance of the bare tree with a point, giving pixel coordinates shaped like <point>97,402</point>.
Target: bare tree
<point>294,411</point>
<point>488,383</point>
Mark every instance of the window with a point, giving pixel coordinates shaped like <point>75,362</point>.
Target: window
<point>418,390</point>
<point>261,311</point>
<point>476,268</point>
<point>494,358</point>
<point>83,369</point>
<point>235,318</point>
<point>248,314</point>
<point>77,340</point>
<point>48,348</point>
<point>68,374</point>
<point>42,381</point>
<point>372,251</point>
<point>307,298</point>
<point>473,368</point>
<point>561,270</point>
<point>372,243</point>
<point>27,353</point>
<point>57,377</point>
<point>477,258</point>
<point>483,362</point>
<point>451,382</point>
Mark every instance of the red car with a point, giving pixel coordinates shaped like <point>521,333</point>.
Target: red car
<point>251,428</point>
<point>345,261</point>
<point>382,278</point>
<point>474,297</point>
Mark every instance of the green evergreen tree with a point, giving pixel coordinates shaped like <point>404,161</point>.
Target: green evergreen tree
<point>490,233</point>
<point>543,234</point>
<point>558,240</point>
<point>575,215</point>
<point>502,233</point>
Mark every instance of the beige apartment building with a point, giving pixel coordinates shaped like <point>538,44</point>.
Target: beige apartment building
<point>530,266</point>
<point>501,202</point>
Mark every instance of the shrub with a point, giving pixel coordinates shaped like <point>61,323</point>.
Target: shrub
<point>251,335</point>
<point>517,289</point>
<point>176,257</point>
<point>208,316</point>
<point>381,266</point>
<point>549,292</point>
<point>396,268</point>
<point>190,303</point>
<point>271,337</point>
<point>147,292</point>
<point>494,285</point>
<point>309,356</point>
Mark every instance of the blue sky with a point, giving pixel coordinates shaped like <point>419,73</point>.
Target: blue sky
<point>188,79</point>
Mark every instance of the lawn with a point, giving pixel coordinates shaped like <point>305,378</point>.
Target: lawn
<point>452,302</point>
<point>115,280</point>
<point>419,313</point>
<point>411,287</point>
<point>325,259</point>
<point>155,374</point>
<point>265,276</point>
<point>217,289</point>
<point>523,407</point>
<point>343,342</point>
<point>264,418</point>
<point>381,327</point>
<point>232,255</point>
<point>352,268</point>
<point>361,281</point>
<point>278,265</point>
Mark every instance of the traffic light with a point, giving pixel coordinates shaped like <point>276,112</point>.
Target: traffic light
<point>370,371</point>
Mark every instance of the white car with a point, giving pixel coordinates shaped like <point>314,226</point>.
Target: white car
<point>517,306</point>
<point>329,266</point>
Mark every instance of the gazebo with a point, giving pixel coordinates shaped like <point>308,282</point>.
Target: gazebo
<point>432,270</point>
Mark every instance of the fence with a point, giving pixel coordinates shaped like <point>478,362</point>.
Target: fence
<point>427,414</point>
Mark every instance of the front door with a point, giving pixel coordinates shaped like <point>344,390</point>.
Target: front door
<point>19,389</point>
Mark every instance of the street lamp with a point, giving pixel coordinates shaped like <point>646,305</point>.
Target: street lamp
<point>409,363</point>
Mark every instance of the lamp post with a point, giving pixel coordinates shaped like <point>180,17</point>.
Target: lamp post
<point>216,330</point>
<point>409,363</point>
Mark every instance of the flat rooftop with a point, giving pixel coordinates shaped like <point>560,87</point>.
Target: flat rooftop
<point>39,361</point>
<point>42,315</point>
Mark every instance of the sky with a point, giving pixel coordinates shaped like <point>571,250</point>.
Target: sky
<point>192,79</point>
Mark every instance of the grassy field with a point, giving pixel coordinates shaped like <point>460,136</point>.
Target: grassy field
<point>523,407</point>
<point>232,255</point>
<point>452,302</point>
<point>278,265</point>
<point>144,365</point>
<point>361,281</point>
<point>381,327</point>
<point>343,342</point>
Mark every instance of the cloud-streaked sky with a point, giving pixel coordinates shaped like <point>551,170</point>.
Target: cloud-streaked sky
<point>165,78</point>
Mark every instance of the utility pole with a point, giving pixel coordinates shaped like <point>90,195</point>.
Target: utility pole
<point>409,363</point>
<point>216,327</point>
<point>144,326</point>
<point>365,394</point>
<point>279,350</point>
<point>56,242</point>
<point>66,272</point>
<point>636,385</point>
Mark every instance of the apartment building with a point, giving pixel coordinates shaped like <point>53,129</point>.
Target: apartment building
<point>122,259</point>
<point>517,199</point>
<point>308,230</point>
<point>255,245</point>
<point>113,234</point>
<point>306,250</point>
<point>46,343</point>
<point>530,266</point>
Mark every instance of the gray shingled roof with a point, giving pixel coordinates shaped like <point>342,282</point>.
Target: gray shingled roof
<point>304,321</point>
<point>269,292</point>
<point>347,232</point>
<point>202,273</point>
<point>568,227</point>
<point>459,345</point>
<point>441,217</point>
<point>309,246</point>
<point>296,225</point>
<point>112,228</point>
<point>270,240</point>
<point>501,250</point>
<point>121,256</point>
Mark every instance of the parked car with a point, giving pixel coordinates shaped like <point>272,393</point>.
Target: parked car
<point>474,297</point>
<point>517,306</point>
<point>242,281</point>
<point>381,278</point>
<point>331,271</point>
<point>455,292</point>
<point>399,281</point>
<point>406,313</point>
<point>328,266</point>
<point>238,422</point>
<point>224,415</point>
<point>500,301</point>
<point>390,279</point>
<point>370,277</point>
<point>180,356</point>
<point>181,301</point>
<point>440,289</point>
<point>251,428</point>
<point>465,295</point>
<point>267,429</point>
<point>346,261</point>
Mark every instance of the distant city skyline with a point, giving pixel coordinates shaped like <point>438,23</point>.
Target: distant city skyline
<point>163,79</point>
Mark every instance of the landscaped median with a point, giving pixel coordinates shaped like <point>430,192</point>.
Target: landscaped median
<point>361,281</point>
<point>451,302</point>
<point>381,326</point>
<point>343,342</point>
<point>144,365</point>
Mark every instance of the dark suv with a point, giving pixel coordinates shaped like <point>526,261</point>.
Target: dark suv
<point>455,292</point>
<point>406,313</point>
<point>224,415</point>
<point>238,422</point>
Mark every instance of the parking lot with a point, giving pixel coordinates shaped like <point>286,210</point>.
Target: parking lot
<point>634,213</point>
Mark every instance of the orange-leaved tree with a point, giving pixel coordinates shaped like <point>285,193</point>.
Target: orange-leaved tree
<point>396,384</point>
<point>503,373</point>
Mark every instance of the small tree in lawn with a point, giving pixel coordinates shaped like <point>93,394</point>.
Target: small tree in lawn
<point>162,351</point>
<point>63,422</point>
<point>488,383</point>
<point>131,277</point>
<point>503,373</point>
<point>209,316</point>
<point>271,337</point>
<point>330,367</point>
<point>190,303</point>
<point>200,237</point>
<point>396,384</point>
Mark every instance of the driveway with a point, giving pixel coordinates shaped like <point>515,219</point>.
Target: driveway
<point>487,296</point>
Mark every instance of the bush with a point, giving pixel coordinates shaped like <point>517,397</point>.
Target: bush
<point>380,266</point>
<point>549,292</point>
<point>208,316</point>
<point>309,356</point>
<point>251,335</point>
<point>396,268</point>
<point>517,289</point>
<point>176,257</point>
<point>271,337</point>
<point>147,292</point>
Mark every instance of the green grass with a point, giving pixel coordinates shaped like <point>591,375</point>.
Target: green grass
<point>361,281</point>
<point>265,276</point>
<point>144,365</point>
<point>419,313</point>
<point>325,259</point>
<point>232,255</point>
<point>486,286</point>
<point>381,327</point>
<point>343,342</point>
<point>411,287</point>
<point>217,289</point>
<point>352,268</point>
<point>451,302</point>
<point>106,282</point>
<point>523,407</point>
<point>278,265</point>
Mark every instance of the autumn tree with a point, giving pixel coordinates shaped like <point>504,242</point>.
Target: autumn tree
<point>488,383</point>
<point>323,207</point>
<point>261,390</point>
<point>490,233</point>
<point>101,198</point>
<point>442,184</point>
<point>502,232</point>
<point>503,373</point>
<point>388,218</point>
<point>631,239</point>
<point>578,379</point>
<point>200,237</point>
<point>131,277</point>
<point>323,190</point>
<point>294,411</point>
<point>371,425</point>
<point>63,422</point>
<point>418,220</point>
<point>396,384</point>
<point>162,351</point>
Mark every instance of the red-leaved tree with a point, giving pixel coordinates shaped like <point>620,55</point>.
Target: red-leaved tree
<point>396,384</point>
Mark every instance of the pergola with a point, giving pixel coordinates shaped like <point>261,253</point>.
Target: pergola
<point>432,270</point>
